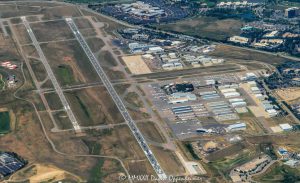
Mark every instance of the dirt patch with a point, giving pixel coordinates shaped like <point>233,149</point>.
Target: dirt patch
<point>289,94</point>
<point>136,64</point>
<point>43,173</point>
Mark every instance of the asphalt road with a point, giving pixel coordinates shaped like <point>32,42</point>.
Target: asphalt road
<point>51,76</point>
<point>131,123</point>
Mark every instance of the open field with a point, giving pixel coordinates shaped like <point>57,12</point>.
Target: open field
<point>53,101</point>
<point>95,44</point>
<point>62,120</point>
<point>65,73</point>
<point>51,31</point>
<point>110,25</point>
<point>138,114</point>
<point>133,99</point>
<point>168,160</point>
<point>59,12</point>
<point>87,110</point>
<point>38,69</point>
<point>151,132</point>
<point>231,52</point>
<point>227,163</point>
<point>83,23</point>
<point>92,108</point>
<point>228,151</point>
<point>136,64</point>
<point>69,63</point>
<point>205,27</point>
<point>21,34</point>
<point>106,59</point>
<point>118,142</point>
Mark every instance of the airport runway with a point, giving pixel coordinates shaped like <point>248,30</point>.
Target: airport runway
<point>132,125</point>
<point>52,76</point>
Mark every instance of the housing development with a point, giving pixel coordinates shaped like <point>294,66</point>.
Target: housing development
<point>149,91</point>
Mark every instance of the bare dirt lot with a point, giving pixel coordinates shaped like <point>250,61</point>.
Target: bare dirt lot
<point>289,94</point>
<point>136,64</point>
<point>42,173</point>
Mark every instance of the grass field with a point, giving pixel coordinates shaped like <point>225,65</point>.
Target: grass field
<point>227,163</point>
<point>53,101</point>
<point>65,74</point>
<point>59,12</point>
<point>151,132</point>
<point>168,161</point>
<point>87,112</point>
<point>4,122</point>
<point>95,43</point>
<point>62,120</point>
<point>96,173</point>
<point>51,31</point>
<point>38,69</point>
<point>70,53</point>
<point>205,27</point>
<point>228,151</point>
<point>93,106</point>
<point>83,23</point>
<point>2,83</point>
<point>230,52</point>
<point>133,99</point>
<point>279,172</point>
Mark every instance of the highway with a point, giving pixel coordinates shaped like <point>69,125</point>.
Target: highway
<point>131,123</point>
<point>51,76</point>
